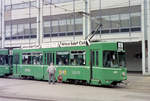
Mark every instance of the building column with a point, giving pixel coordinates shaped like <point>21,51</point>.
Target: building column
<point>86,18</point>
<point>148,34</point>
<point>40,22</point>
<point>2,24</point>
<point>145,10</point>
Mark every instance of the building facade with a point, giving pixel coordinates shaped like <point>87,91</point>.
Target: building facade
<point>70,20</point>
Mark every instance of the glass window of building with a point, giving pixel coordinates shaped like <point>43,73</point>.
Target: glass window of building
<point>70,24</point>
<point>94,22</point>
<point>20,29</point>
<point>136,19</point>
<point>46,27</point>
<point>46,23</point>
<point>56,1</point>
<point>106,22</point>
<point>14,29</point>
<point>115,21</point>
<point>33,4</point>
<point>55,26</point>
<point>55,23</point>
<point>62,22</point>
<point>124,20</point>
<point>7,7</point>
<point>33,28</point>
<point>78,21</point>
<point>26,28</point>
<point>8,31</point>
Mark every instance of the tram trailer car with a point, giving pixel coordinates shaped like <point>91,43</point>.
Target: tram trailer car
<point>96,64</point>
<point>5,63</point>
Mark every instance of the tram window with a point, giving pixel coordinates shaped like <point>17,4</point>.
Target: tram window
<point>121,56</point>
<point>26,58</point>
<point>50,58</point>
<point>62,58</point>
<point>110,59</point>
<point>77,57</point>
<point>93,58</point>
<point>3,59</point>
<point>16,59</point>
<point>97,59</point>
<point>36,58</point>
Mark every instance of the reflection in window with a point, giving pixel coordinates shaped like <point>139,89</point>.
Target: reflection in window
<point>77,57</point>
<point>115,21</point>
<point>110,59</point>
<point>32,58</point>
<point>106,22</point>
<point>14,29</point>
<point>26,58</point>
<point>136,19</point>
<point>3,59</point>
<point>20,29</point>
<point>62,58</point>
<point>36,58</point>
<point>8,30</point>
<point>125,20</point>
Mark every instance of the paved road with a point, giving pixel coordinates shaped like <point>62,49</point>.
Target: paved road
<point>138,89</point>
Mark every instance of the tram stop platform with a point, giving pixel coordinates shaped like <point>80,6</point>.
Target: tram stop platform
<point>137,89</point>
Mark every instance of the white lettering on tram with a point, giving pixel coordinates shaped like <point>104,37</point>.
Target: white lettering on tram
<point>27,70</point>
<point>72,43</point>
<point>76,72</point>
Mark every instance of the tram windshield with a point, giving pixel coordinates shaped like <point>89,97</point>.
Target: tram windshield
<point>113,59</point>
<point>3,59</point>
<point>110,59</point>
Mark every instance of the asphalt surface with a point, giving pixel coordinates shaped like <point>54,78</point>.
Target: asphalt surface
<point>138,89</point>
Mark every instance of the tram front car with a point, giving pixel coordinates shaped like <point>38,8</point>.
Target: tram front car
<point>114,66</point>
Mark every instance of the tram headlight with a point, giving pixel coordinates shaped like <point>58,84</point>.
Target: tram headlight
<point>123,74</point>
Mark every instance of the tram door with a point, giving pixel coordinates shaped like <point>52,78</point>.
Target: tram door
<point>94,58</point>
<point>15,63</point>
<point>49,58</point>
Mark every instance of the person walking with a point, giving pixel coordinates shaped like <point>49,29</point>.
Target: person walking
<point>51,71</point>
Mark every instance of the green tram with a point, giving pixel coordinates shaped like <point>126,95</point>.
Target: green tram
<point>96,64</point>
<point>5,62</point>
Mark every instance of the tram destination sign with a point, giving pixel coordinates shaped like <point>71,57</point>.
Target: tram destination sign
<point>72,43</point>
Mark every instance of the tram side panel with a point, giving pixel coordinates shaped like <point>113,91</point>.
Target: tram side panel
<point>5,68</point>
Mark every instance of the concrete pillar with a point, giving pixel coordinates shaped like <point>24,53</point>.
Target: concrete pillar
<point>2,24</point>
<point>86,18</point>
<point>40,22</point>
<point>148,34</point>
<point>145,10</point>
